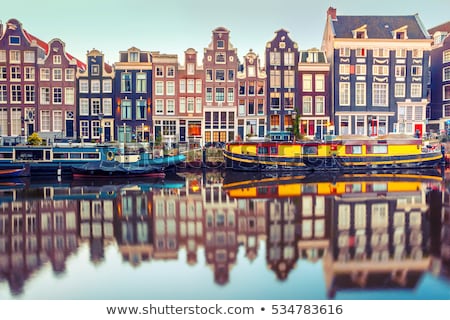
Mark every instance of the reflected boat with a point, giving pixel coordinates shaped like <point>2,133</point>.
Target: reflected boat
<point>266,185</point>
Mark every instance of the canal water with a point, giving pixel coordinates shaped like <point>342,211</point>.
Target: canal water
<point>223,235</point>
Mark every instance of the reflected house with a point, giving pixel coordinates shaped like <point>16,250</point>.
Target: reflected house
<point>166,224</point>
<point>314,210</point>
<point>282,236</point>
<point>190,204</point>
<point>220,230</point>
<point>96,221</point>
<point>34,232</point>
<point>251,216</point>
<point>439,216</point>
<point>379,237</point>
<point>133,224</point>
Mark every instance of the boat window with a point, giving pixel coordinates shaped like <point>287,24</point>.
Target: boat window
<point>353,149</point>
<point>376,149</point>
<point>274,150</point>
<point>76,155</point>
<point>29,154</point>
<point>263,150</point>
<point>60,155</point>
<point>309,188</point>
<point>91,156</point>
<point>310,150</point>
<point>6,155</point>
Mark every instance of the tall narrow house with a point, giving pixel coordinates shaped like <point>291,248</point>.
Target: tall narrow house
<point>220,63</point>
<point>251,97</point>
<point>281,66</point>
<point>379,70</point>
<point>440,80</point>
<point>133,93</point>
<point>95,98</point>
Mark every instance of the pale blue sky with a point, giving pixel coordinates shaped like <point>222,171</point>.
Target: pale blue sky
<point>172,26</point>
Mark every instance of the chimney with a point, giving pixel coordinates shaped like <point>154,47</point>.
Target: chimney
<point>332,12</point>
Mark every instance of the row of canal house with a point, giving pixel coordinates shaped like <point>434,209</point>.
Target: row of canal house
<point>370,77</point>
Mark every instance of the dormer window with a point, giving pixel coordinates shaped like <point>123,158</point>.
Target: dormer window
<point>134,56</point>
<point>400,33</point>
<point>360,33</point>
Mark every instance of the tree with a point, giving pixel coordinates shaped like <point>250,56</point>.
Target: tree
<point>34,139</point>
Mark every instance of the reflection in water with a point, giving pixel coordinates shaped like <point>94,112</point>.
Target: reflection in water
<point>369,232</point>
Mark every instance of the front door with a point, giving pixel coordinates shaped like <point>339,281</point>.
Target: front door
<point>107,134</point>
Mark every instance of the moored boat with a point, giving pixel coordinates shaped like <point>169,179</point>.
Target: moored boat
<point>112,169</point>
<point>15,172</point>
<point>59,159</point>
<point>343,153</point>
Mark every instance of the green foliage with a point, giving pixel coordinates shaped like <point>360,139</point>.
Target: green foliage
<point>34,139</point>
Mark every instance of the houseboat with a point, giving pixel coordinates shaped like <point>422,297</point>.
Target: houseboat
<point>390,152</point>
<point>58,159</point>
<point>376,184</point>
<point>49,160</point>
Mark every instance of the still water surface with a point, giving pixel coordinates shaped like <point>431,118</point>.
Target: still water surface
<point>220,235</point>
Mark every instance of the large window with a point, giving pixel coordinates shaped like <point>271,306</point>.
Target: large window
<point>57,120</point>
<point>320,83</point>
<point>45,74</point>
<point>289,79</point>
<point>307,82</point>
<point>84,106</point>
<point>29,73</point>
<point>141,108</point>
<point>446,56</point>
<point>416,90</point>
<point>45,96</point>
<point>380,94</point>
<point>344,93</point>
<point>275,100</point>
<point>288,100</point>
<point>320,105</point>
<point>307,105</point>
<point>95,86</point>
<point>446,74</point>
<point>159,88</point>
<point>220,94</point>
<point>125,111</point>
<point>95,107</point>
<point>360,90</point>
<point>57,95</point>
<point>29,94</point>
<point>45,120</point>
<point>170,88</point>
<point>107,106</point>
<point>169,127</point>
<point>190,105</point>
<point>3,93</point>
<point>159,106</point>
<point>170,103</point>
<point>141,82</point>
<point>84,128</point>
<point>275,58</point>
<point>125,82</point>
<point>399,90</point>
<point>289,59</point>
<point>107,85</point>
<point>16,93</point>
<point>446,92</point>
<point>275,78</point>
